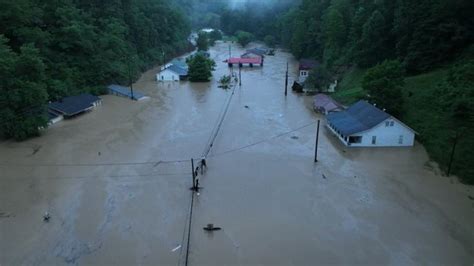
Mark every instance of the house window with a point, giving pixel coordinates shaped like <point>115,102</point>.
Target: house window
<point>304,73</point>
<point>400,139</point>
<point>392,123</point>
<point>162,77</point>
<point>355,139</point>
<point>387,123</point>
<point>374,140</point>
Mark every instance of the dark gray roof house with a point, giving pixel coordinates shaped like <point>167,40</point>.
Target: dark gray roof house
<point>255,51</point>
<point>364,125</point>
<point>182,72</point>
<point>359,117</point>
<point>74,105</point>
<point>122,91</point>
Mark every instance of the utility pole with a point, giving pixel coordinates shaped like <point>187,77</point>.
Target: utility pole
<point>453,150</point>
<point>194,175</point>
<point>240,76</point>
<point>230,53</point>
<point>317,140</point>
<point>286,80</point>
<point>130,77</point>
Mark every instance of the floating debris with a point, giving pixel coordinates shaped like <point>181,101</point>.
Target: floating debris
<point>295,137</point>
<point>176,248</point>
<point>324,176</point>
<point>246,106</point>
<point>6,215</point>
<point>211,228</point>
<point>471,197</point>
<point>46,217</point>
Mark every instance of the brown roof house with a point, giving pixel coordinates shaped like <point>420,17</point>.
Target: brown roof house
<point>324,104</point>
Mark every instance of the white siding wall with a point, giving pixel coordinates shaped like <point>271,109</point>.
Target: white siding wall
<point>167,75</point>
<point>387,136</point>
<point>303,75</point>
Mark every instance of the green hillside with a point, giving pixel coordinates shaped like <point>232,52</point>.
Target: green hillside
<point>422,112</point>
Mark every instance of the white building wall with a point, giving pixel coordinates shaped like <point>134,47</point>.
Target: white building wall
<point>167,75</point>
<point>385,136</point>
<point>397,135</point>
<point>303,75</point>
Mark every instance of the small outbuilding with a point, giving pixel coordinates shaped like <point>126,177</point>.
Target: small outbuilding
<point>255,52</point>
<point>364,125</point>
<point>126,92</point>
<point>325,104</point>
<point>254,61</point>
<point>305,67</point>
<point>172,73</point>
<point>71,106</point>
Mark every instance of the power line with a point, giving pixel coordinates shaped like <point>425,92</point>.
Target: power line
<point>261,141</point>
<point>23,178</point>
<point>91,164</point>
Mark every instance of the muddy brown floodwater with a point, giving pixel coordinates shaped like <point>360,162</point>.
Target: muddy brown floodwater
<point>116,184</point>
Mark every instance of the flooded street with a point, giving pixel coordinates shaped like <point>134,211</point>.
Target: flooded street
<point>116,184</point>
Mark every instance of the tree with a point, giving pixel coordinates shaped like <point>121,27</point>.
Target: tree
<point>202,41</point>
<point>454,97</point>
<point>200,68</point>
<point>335,35</point>
<point>270,41</point>
<point>22,92</point>
<point>318,79</point>
<point>244,38</point>
<point>383,84</point>
<point>371,48</point>
<point>214,36</point>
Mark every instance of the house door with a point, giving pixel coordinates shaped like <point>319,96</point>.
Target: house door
<point>374,140</point>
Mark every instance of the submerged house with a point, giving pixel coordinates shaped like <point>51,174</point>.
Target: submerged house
<point>172,72</point>
<point>364,125</point>
<point>126,92</point>
<point>253,61</point>
<point>324,104</point>
<point>305,67</point>
<point>72,106</point>
<point>255,52</point>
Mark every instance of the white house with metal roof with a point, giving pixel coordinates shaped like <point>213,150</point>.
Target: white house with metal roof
<point>172,72</point>
<point>364,125</point>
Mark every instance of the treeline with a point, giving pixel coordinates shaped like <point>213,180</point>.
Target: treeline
<point>422,34</point>
<point>53,48</point>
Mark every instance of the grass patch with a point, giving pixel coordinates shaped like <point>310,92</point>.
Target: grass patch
<point>421,113</point>
<point>349,89</point>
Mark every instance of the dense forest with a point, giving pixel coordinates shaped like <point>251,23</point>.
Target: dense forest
<point>49,49</point>
<point>413,58</point>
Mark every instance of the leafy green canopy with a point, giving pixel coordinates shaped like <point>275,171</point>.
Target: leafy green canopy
<point>200,68</point>
<point>52,49</point>
<point>244,38</point>
<point>383,84</point>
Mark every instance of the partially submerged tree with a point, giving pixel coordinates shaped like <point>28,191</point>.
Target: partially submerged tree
<point>214,36</point>
<point>270,41</point>
<point>244,38</point>
<point>202,41</point>
<point>23,93</point>
<point>200,68</point>
<point>383,84</point>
